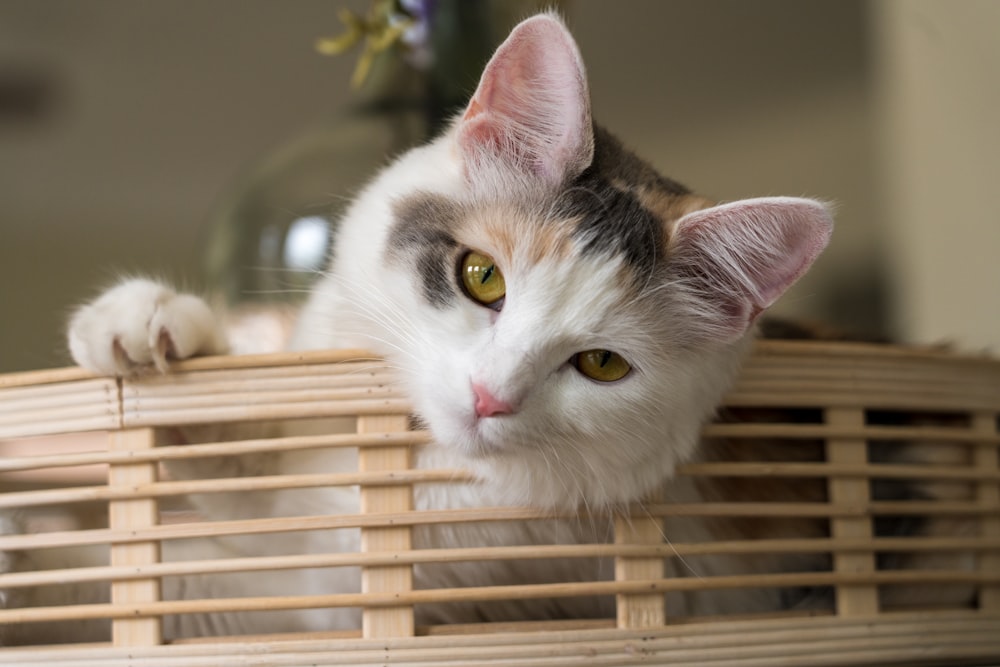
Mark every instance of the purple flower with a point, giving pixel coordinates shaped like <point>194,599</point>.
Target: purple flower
<point>417,36</point>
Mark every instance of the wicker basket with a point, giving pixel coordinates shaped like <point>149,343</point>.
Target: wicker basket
<point>69,438</point>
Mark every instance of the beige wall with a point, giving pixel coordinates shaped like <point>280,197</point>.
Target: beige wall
<point>938,66</point>
<point>160,107</point>
<point>157,108</point>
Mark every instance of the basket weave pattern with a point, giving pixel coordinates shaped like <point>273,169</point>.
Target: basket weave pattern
<point>842,399</point>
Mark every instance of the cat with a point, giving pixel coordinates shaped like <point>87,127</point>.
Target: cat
<point>564,318</point>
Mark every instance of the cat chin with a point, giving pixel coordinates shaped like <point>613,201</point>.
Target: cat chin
<point>479,440</point>
<point>515,471</point>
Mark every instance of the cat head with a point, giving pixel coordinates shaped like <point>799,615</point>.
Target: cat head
<point>571,316</point>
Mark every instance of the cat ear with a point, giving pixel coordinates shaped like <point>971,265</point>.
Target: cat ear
<point>737,259</point>
<point>532,106</point>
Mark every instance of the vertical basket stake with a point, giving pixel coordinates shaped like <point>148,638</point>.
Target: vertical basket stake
<point>988,494</point>
<point>856,599</point>
<point>129,515</point>
<point>643,610</point>
<point>390,621</point>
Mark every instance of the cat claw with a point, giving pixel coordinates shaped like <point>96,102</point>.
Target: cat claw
<point>141,325</point>
<point>160,352</point>
<point>163,350</point>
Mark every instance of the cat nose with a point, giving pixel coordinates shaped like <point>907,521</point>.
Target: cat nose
<point>488,405</point>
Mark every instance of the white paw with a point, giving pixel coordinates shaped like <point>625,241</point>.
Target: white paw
<point>140,324</point>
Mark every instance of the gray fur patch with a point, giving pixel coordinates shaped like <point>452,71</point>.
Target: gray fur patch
<point>612,220</point>
<point>423,235</point>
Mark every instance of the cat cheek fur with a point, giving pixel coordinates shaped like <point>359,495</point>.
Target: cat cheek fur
<point>564,444</point>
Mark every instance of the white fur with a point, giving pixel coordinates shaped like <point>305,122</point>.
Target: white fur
<point>140,322</point>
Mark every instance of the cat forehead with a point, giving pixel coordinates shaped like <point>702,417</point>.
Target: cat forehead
<point>619,210</point>
<point>593,218</point>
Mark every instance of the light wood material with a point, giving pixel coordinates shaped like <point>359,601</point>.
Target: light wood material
<point>130,514</point>
<point>645,610</point>
<point>852,600</point>
<point>986,459</point>
<point>840,381</point>
<point>166,453</point>
<point>869,432</point>
<point>646,552</point>
<point>393,621</point>
<point>395,600</point>
<point>152,489</point>
<point>237,393</point>
<point>908,639</point>
<point>434,517</point>
<point>49,409</point>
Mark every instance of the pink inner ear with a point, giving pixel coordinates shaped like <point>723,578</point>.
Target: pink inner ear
<point>532,108</point>
<point>740,257</point>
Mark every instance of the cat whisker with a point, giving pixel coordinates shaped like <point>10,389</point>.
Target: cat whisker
<point>364,309</point>
<point>668,542</point>
<point>404,329</point>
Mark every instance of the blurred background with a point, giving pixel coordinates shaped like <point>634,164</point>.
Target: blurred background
<point>209,143</point>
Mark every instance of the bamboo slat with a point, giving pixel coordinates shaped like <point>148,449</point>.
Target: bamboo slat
<point>852,600</point>
<point>232,448</point>
<point>129,514</point>
<point>473,554</point>
<point>461,516</point>
<point>83,405</point>
<point>235,412</point>
<point>44,377</point>
<point>645,610</point>
<point>285,360</point>
<point>234,393</point>
<point>872,433</point>
<point>151,489</point>
<point>392,600</point>
<point>852,375</point>
<point>397,621</point>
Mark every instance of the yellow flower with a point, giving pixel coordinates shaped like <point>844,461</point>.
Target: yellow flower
<point>380,30</point>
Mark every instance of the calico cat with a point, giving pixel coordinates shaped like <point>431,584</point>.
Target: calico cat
<point>564,318</point>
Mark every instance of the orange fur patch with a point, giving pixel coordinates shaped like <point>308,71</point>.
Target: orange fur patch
<point>667,206</point>
<point>507,233</point>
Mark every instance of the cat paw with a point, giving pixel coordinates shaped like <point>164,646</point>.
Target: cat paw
<point>139,325</point>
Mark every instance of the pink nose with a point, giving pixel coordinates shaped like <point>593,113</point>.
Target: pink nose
<point>488,405</point>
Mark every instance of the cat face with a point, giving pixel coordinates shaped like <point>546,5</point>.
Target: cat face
<point>571,316</point>
<point>542,349</point>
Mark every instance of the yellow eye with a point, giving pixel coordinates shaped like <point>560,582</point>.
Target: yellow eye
<point>601,365</point>
<point>482,280</point>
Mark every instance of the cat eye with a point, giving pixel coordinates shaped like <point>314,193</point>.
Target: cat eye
<point>601,365</point>
<point>481,280</point>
